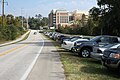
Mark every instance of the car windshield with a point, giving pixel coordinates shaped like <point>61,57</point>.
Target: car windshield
<point>74,39</point>
<point>95,38</point>
<point>111,46</point>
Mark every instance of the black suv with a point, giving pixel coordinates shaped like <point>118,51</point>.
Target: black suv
<point>85,48</point>
<point>111,58</point>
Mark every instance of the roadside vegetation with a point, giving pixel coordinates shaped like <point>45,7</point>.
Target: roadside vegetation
<point>11,28</point>
<point>38,22</point>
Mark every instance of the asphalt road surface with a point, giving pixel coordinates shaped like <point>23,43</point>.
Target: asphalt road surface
<point>33,59</point>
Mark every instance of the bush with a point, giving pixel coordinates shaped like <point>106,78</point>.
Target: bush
<point>10,32</point>
<point>21,31</point>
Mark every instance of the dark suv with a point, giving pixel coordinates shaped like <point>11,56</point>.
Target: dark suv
<point>111,58</point>
<point>85,48</point>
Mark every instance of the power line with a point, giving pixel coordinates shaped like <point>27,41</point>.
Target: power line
<point>11,8</point>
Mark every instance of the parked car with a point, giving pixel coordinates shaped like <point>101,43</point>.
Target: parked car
<point>111,58</point>
<point>85,48</point>
<point>69,38</point>
<point>61,37</point>
<point>56,36</point>
<point>98,51</point>
<point>68,45</point>
<point>53,34</point>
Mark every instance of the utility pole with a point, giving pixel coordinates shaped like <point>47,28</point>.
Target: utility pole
<point>2,13</point>
<point>22,16</point>
<point>27,21</point>
<point>22,21</point>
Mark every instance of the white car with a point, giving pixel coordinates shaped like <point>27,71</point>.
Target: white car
<point>68,45</point>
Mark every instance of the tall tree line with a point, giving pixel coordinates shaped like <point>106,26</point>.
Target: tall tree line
<point>12,27</point>
<point>38,21</point>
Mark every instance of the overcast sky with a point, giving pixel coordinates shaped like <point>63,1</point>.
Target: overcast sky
<point>32,7</point>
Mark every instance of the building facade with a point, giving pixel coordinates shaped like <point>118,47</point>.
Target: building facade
<point>77,15</point>
<point>64,18</point>
<point>52,18</point>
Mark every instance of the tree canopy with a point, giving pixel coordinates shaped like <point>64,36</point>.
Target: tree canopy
<point>108,15</point>
<point>38,21</point>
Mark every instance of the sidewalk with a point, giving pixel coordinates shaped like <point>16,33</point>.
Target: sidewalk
<point>11,42</point>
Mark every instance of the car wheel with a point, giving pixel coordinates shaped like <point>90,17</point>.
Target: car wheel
<point>72,50</point>
<point>85,52</point>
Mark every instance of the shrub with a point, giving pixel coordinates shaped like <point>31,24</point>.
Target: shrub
<point>10,32</point>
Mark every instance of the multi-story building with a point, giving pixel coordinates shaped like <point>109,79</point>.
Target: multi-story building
<point>52,18</point>
<point>77,15</point>
<point>58,18</point>
<point>64,18</point>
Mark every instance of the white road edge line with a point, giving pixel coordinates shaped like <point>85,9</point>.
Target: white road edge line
<point>24,77</point>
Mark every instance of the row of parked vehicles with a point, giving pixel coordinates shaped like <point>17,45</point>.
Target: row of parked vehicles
<point>103,48</point>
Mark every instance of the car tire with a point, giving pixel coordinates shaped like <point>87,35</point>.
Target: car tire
<point>85,52</point>
<point>71,50</point>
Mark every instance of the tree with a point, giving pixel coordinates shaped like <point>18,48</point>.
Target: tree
<point>39,16</point>
<point>37,21</point>
<point>45,20</point>
<point>108,15</point>
<point>10,19</point>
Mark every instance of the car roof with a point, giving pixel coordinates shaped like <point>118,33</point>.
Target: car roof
<point>107,36</point>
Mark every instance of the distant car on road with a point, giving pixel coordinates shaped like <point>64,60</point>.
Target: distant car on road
<point>35,33</point>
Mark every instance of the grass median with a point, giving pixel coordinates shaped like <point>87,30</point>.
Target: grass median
<point>78,68</point>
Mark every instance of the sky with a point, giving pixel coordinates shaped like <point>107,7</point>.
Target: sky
<point>43,7</point>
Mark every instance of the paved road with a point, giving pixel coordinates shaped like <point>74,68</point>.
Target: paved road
<point>30,59</point>
<point>48,65</point>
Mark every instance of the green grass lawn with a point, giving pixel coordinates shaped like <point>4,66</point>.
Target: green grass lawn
<point>78,68</point>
